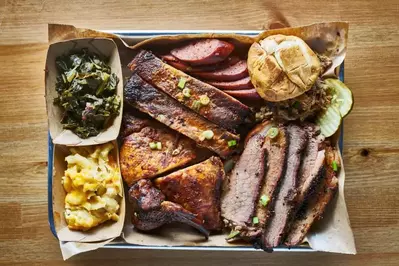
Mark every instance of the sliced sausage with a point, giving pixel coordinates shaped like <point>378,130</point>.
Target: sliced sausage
<point>231,73</point>
<point>250,94</point>
<point>203,52</point>
<point>241,84</point>
<point>173,61</point>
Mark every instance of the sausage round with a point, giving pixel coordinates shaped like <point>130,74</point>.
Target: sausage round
<point>203,52</point>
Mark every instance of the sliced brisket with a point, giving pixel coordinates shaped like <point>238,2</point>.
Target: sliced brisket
<point>315,205</point>
<point>284,202</point>
<point>244,183</point>
<point>222,109</point>
<point>312,163</point>
<point>160,106</point>
<point>276,149</point>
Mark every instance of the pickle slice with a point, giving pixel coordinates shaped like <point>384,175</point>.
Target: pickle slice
<point>329,121</point>
<point>342,96</point>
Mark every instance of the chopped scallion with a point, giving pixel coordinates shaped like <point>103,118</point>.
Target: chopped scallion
<point>264,200</point>
<point>232,143</point>
<point>182,83</point>
<point>186,92</point>
<point>196,105</point>
<point>207,134</point>
<point>159,146</point>
<point>153,145</point>
<point>204,99</point>
<point>255,220</point>
<point>335,166</point>
<point>233,234</point>
<point>272,132</point>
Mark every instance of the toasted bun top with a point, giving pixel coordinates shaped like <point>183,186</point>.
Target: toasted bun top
<point>282,67</point>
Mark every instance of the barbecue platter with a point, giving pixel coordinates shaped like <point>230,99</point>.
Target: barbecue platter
<point>219,135</point>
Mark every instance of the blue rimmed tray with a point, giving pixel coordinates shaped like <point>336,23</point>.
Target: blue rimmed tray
<point>141,35</point>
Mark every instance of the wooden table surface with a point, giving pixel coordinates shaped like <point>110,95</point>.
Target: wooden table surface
<point>371,144</point>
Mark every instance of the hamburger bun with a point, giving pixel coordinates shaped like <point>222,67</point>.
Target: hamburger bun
<point>282,67</point>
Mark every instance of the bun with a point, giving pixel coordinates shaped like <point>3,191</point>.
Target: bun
<point>282,67</point>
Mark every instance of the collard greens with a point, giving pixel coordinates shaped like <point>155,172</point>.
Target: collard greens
<point>86,92</point>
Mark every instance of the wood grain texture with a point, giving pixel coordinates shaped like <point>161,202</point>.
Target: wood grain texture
<point>371,145</point>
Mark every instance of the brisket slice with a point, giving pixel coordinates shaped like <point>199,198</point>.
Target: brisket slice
<point>222,109</point>
<point>284,203</point>
<point>276,149</point>
<point>244,183</point>
<point>315,205</point>
<point>160,106</point>
<point>312,164</point>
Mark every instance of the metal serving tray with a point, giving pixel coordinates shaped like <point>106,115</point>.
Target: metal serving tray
<point>140,35</point>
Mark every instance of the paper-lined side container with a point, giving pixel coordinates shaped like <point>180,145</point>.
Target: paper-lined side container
<point>101,46</point>
<point>103,231</point>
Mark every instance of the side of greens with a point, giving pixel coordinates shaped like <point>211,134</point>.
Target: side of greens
<point>87,93</point>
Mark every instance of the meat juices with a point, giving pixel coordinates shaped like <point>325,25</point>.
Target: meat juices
<point>203,52</point>
<point>284,202</point>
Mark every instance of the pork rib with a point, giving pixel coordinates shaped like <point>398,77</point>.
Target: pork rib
<point>160,106</point>
<point>222,109</point>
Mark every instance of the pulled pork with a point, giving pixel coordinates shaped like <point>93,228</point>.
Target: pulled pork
<point>301,108</point>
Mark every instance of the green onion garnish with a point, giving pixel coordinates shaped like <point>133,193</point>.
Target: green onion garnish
<point>153,145</point>
<point>196,105</point>
<point>255,220</point>
<point>296,105</point>
<point>272,132</point>
<point>232,143</point>
<point>233,234</point>
<point>186,92</point>
<point>182,83</point>
<point>264,200</point>
<point>335,166</point>
<point>204,99</point>
<point>207,134</point>
<point>159,145</point>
